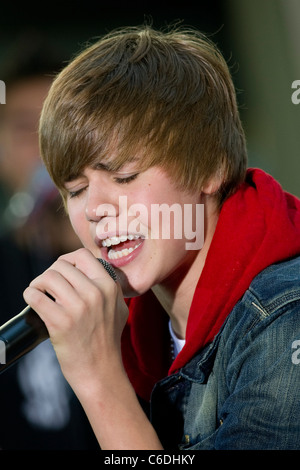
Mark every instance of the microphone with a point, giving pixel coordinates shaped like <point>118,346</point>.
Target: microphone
<point>27,330</point>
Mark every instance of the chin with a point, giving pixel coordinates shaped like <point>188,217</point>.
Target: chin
<point>132,285</point>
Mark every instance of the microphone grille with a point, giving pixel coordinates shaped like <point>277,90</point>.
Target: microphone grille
<point>108,268</point>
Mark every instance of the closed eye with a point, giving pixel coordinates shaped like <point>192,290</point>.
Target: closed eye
<point>76,193</point>
<point>125,179</point>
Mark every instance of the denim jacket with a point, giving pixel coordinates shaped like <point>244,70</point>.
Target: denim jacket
<point>242,391</point>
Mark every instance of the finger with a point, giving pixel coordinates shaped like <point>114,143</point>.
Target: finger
<point>87,289</point>
<point>81,268</point>
<point>70,305</point>
<point>43,305</point>
<point>87,263</point>
<point>57,284</point>
<point>79,296</point>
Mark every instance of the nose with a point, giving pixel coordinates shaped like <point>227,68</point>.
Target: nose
<point>90,214</point>
<point>99,204</point>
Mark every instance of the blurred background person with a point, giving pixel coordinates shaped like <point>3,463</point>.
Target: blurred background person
<point>39,410</point>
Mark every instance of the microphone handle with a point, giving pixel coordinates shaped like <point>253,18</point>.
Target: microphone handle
<point>20,335</point>
<point>27,330</point>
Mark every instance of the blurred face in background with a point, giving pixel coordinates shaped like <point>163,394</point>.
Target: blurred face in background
<point>19,146</point>
<point>48,230</point>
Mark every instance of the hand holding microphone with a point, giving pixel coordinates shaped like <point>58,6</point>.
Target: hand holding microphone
<point>26,330</point>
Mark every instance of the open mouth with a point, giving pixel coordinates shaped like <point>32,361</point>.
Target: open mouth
<point>124,245</point>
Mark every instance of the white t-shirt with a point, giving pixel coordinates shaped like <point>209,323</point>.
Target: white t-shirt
<point>177,343</point>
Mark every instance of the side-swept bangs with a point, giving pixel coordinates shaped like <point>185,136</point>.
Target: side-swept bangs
<point>165,97</point>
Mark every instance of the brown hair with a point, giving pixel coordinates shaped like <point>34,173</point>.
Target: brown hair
<point>165,96</point>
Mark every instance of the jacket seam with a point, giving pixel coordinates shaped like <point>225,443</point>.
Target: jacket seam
<point>263,312</point>
<point>283,300</point>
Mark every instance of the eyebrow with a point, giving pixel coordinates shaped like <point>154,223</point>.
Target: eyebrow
<point>95,166</point>
<point>109,167</point>
<point>101,166</point>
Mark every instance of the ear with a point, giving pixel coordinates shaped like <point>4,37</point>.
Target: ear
<point>212,185</point>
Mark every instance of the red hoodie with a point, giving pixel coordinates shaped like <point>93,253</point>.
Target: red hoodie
<point>258,226</point>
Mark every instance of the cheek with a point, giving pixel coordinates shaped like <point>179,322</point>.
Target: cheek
<point>79,223</point>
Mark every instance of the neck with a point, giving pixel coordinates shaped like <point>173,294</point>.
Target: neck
<point>176,293</point>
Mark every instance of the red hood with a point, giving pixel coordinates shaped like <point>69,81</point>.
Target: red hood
<point>258,226</point>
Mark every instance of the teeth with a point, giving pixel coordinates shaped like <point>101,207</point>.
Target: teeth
<point>112,254</point>
<point>116,240</point>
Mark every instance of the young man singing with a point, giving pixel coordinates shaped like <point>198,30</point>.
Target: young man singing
<point>200,354</point>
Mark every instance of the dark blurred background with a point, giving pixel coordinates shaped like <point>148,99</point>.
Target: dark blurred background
<point>259,40</point>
